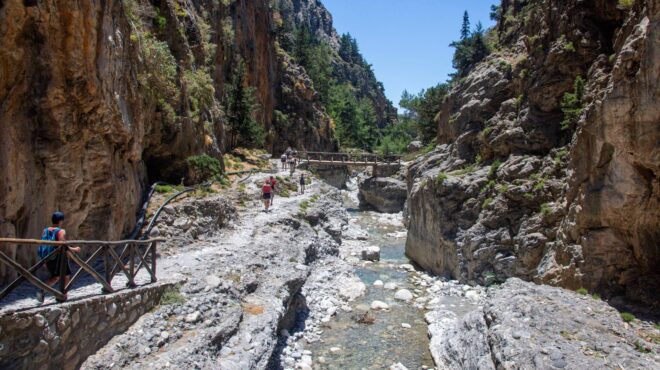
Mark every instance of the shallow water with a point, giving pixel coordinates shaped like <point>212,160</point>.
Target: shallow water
<point>385,342</point>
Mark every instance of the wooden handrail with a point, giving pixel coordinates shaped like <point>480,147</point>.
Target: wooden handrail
<point>78,242</point>
<point>112,263</point>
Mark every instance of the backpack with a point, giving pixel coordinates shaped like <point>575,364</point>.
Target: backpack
<point>50,235</point>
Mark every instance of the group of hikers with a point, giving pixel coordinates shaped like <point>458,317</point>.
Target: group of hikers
<point>289,159</point>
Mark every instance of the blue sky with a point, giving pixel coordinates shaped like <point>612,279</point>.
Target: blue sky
<point>407,41</point>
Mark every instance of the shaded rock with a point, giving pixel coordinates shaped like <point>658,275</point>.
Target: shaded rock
<point>384,194</point>
<point>371,254</point>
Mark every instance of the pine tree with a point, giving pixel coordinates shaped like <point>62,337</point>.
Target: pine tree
<point>240,106</point>
<point>465,29</point>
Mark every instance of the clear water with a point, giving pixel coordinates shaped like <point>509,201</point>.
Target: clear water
<point>385,342</point>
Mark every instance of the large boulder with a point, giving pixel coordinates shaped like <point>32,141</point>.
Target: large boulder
<point>384,194</point>
<point>529,326</point>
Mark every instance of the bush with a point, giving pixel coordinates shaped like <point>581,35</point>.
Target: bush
<point>164,189</point>
<point>204,167</point>
<point>492,173</point>
<point>545,210</point>
<point>201,90</point>
<point>582,291</point>
<point>440,178</point>
<point>627,316</point>
<point>172,296</point>
<point>487,202</point>
<point>596,296</point>
<point>159,72</point>
<point>571,105</point>
<point>626,4</point>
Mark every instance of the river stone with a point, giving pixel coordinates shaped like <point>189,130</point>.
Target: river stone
<point>398,366</point>
<point>193,317</point>
<point>403,295</point>
<point>379,305</point>
<point>378,283</point>
<point>390,285</point>
<point>371,254</point>
<point>405,325</point>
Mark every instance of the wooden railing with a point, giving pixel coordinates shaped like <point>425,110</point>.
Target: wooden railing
<point>365,159</point>
<point>135,254</point>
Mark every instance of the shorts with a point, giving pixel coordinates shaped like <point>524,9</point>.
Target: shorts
<point>53,266</point>
<point>266,196</point>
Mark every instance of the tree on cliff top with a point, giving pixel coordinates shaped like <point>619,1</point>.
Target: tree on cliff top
<point>470,49</point>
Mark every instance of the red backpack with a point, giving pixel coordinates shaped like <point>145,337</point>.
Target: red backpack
<point>266,188</point>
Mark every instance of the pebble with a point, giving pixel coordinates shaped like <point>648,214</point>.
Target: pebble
<point>403,295</point>
<point>390,285</point>
<point>406,325</point>
<point>379,305</point>
<point>378,283</point>
<point>193,317</point>
<point>335,349</point>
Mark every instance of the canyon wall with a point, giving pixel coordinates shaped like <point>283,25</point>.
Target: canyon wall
<point>526,182</point>
<point>99,99</point>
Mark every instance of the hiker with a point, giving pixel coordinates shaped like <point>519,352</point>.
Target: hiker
<point>283,160</point>
<point>302,183</point>
<point>55,233</point>
<point>273,184</point>
<point>292,165</point>
<point>266,192</point>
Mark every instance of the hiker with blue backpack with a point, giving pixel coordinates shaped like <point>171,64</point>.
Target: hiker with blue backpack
<point>54,233</point>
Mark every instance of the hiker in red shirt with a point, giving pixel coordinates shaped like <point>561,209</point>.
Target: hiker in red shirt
<point>266,191</point>
<point>273,182</point>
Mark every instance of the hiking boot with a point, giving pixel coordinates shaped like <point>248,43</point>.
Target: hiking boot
<point>40,297</point>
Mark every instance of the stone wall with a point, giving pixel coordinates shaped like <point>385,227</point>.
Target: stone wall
<point>63,336</point>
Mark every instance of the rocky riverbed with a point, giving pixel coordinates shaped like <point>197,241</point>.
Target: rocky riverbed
<point>290,289</point>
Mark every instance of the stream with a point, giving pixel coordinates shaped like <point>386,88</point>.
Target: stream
<point>348,344</point>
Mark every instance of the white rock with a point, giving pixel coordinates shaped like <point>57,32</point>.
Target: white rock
<point>379,305</point>
<point>213,281</point>
<point>331,310</point>
<point>390,285</point>
<point>403,295</point>
<point>407,266</point>
<point>378,283</point>
<point>193,317</point>
<point>398,366</point>
<point>164,335</point>
<point>405,325</point>
<point>335,349</point>
<point>473,295</point>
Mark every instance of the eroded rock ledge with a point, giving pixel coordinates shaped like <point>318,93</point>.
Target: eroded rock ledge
<point>527,326</point>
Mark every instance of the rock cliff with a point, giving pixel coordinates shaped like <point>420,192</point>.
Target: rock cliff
<point>547,165</point>
<point>98,99</point>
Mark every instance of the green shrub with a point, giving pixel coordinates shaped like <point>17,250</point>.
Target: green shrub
<point>164,188</point>
<point>492,173</point>
<point>172,296</point>
<point>200,89</point>
<point>204,167</point>
<point>582,291</point>
<point>596,296</point>
<point>626,4</point>
<point>627,316</point>
<point>487,131</point>
<point>640,347</point>
<point>569,47</point>
<point>571,105</point>
<point>545,210</point>
<point>159,73</point>
<point>502,188</point>
<point>487,202</point>
<point>559,157</point>
<point>465,170</point>
<point>440,178</point>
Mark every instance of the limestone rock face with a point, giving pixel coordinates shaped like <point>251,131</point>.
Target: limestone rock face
<point>384,194</point>
<point>513,191</point>
<point>529,326</point>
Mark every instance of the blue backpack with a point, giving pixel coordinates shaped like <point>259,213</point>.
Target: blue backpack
<point>50,235</point>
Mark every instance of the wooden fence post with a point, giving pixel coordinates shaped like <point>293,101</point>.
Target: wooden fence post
<point>64,264</point>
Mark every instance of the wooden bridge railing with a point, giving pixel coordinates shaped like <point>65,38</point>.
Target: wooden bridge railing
<point>351,158</point>
<point>134,255</point>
